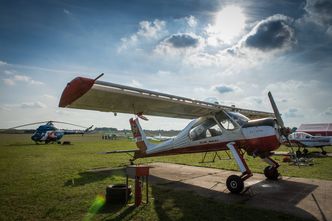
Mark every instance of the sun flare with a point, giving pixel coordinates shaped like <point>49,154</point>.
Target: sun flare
<point>229,23</point>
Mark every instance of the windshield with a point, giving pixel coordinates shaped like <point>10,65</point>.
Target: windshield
<point>205,128</point>
<point>239,118</point>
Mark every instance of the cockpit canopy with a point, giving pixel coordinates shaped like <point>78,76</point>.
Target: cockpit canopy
<point>211,126</point>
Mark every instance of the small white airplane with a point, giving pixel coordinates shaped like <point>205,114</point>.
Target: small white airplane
<point>159,137</point>
<point>305,140</point>
<point>215,127</point>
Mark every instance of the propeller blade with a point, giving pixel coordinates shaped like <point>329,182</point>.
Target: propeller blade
<point>276,111</point>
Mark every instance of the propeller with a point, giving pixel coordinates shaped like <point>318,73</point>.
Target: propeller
<point>284,131</point>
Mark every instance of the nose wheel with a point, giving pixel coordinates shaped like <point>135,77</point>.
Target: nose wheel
<point>271,173</point>
<point>234,184</point>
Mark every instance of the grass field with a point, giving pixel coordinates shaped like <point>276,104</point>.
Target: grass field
<point>51,182</point>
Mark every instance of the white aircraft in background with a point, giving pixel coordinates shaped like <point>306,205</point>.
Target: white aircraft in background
<point>305,140</point>
<point>159,137</point>
<point>213,127</point>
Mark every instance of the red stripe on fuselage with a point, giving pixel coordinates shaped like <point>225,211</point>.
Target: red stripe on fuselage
<point>75,89</point>
<point>255,145</point>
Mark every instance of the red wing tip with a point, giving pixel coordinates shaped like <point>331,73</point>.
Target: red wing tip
<point>74,90</point>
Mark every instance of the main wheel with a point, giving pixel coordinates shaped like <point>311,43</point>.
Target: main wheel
<point>234,184</point>
<point>271,173</point>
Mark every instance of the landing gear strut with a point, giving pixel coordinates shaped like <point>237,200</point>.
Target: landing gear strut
<point>234,183</point>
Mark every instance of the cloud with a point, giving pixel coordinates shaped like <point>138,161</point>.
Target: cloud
<point>147,30</point>
<point>135,83</point>
<point>191,21</point>
<point>328,112</point>
<point>292,113</point>
<point>2,63</point>
<point>21,78</point>
<point>150,29</point>
<point>32,105</point>
<point>320,11</point>
<point>213,100</point>
<point>66,11</point>
<point>180,44</point>
<point>275,32</point>
<point>9,82</point>
<point>222,89</point>
<point>183,40</point>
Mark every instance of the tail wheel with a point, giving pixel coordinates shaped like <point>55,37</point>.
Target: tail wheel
<point>271,173</point>
<point>234,184</point>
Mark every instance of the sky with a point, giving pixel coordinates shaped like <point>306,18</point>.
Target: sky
<point>232,52</point>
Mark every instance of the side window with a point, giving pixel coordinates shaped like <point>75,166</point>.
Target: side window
<point>205,129</point>
<point>225,121</point>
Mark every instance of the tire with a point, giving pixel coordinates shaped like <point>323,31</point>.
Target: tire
<point>117,193</point>
<point>271,173</point>
<point>324,152</point>
<point>305,151</point>
<point>234,184</point>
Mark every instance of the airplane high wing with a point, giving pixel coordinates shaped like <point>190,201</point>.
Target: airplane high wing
<point>92,94</point>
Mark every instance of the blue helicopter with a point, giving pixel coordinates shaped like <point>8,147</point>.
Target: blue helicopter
<point>48,133</point>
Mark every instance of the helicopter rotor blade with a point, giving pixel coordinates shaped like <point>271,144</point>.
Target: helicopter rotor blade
<point>41,122</point>
<point>61,122</point>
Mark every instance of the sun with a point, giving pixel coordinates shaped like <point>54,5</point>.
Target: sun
<point>229,23</point>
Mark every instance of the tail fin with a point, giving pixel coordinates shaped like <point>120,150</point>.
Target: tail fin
<point>139,135</point>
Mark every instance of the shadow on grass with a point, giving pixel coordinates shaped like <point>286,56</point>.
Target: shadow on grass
<point>94,176</point>
<point>121,212</point>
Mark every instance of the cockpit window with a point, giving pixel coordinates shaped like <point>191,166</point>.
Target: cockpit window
<point>225,121</point>
<point>205,129</point>
<point>239,118</point>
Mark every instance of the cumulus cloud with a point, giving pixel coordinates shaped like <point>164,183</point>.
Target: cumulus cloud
<point>222,89</point>
<point>191,21</point>
<point>147,30</point>
<point>135,83</point>
<point>150,29</point>
<point>9,82</point>
<point>2,63</point>
<point>180,43</point>
<point>32,105</point>
<point>183,40</point>
<point>21,78</point>
<point>292,113</point>
<point>320,11</point>
<point>275,32</point>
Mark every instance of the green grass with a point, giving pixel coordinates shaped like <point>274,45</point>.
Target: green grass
<point>50,182</point>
